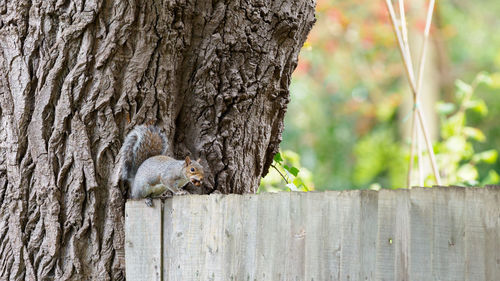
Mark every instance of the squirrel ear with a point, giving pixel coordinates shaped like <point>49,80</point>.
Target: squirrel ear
<point>188,160</point>
<point>199,160</point>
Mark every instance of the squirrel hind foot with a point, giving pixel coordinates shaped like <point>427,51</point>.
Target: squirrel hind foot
<point>149,202</point>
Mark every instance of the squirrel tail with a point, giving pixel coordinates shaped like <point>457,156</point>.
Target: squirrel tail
<point>140,144</point>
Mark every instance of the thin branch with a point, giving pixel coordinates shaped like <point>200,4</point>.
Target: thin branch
<point>280,173</point>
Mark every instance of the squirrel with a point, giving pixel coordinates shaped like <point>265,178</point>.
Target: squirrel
<point>149,171</point>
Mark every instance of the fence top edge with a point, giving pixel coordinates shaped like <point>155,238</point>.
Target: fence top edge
<point>489,188</point>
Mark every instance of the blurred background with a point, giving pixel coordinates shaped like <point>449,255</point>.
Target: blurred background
<point>347,125</point>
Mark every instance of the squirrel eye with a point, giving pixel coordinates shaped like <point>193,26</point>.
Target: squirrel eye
<point>192,169</point>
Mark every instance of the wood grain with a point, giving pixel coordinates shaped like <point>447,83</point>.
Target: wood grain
<point>419,234</point>
<point>143,255</point>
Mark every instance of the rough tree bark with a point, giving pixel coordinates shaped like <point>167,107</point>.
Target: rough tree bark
<point>76,76</point>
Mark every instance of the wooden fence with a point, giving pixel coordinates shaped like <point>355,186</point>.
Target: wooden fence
<point>417,234</point>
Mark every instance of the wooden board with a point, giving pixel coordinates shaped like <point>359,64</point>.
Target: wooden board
<point>419,234</point>
<point>143,243</point>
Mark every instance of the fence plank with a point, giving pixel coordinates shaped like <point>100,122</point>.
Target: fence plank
<point>313,207</point>
<point>386,235</point>
<point>249,241</point>
<point>232,240</point>
<point>143,256</point>
<point>295,259</point>
<point>491,199</point>
<point>350,252</point>
<point>417,234</point>
<point>271,237</point>
<point>448,247</point>
<point>474,236</point>
<point>368,234</point>
<point>421,234</point>
<point>331,234</point>
<point>402,240</point>
<point>175,226</point>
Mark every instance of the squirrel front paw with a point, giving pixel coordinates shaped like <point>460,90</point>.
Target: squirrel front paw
<point>181,192</point>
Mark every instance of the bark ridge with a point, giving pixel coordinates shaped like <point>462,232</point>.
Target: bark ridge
<point>76,76</point>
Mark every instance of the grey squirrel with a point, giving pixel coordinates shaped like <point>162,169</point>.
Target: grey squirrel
<point>149,172</point>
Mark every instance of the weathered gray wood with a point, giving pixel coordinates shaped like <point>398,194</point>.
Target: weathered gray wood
<point>492,234</point>
<point>331,236</point>
<point>295,261</point>
<point>386,236</point>
<point>475,242</point>
<point>417,234</point>
<point>448,229</point>
<point>313,207</point>
<point>369,229</point>
<point>421,237</point>
<point>143,255</point>
<point>246,266</point>
<point>350,252</point>
<point>233,236</point>
<point>271,236</point>
<point>401,248</point>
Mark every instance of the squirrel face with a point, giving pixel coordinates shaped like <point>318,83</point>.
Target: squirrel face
<point>194,171</point>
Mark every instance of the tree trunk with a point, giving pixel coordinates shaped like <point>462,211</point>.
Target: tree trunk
<point>77,76</point>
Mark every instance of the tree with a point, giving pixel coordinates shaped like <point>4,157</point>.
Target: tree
<point>77,76</point>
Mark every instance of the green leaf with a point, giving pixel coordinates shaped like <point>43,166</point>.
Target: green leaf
<point>463,87</point>
<point>495,80</point>
<point>477,105</point>
<point>453,125</point>
<point>474,133</point>
<point>467,173</point>
<point>294,171</point>
<point>277,158</point>
<point>300,184</point>
<point>492,178</point>
<point>484,77</point>
<point>375,186</point>
<point>488,156</point>
<point>445,108</point>
<point>456,144</point>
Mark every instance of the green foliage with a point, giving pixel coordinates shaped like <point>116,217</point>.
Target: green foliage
<point>286,174</point>
<point>455,153</point>
<point>346,93</point>
<point>379,158</point>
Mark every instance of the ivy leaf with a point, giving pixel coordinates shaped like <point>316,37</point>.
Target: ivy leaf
<point>277,158</point>
<point>294,171</point>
